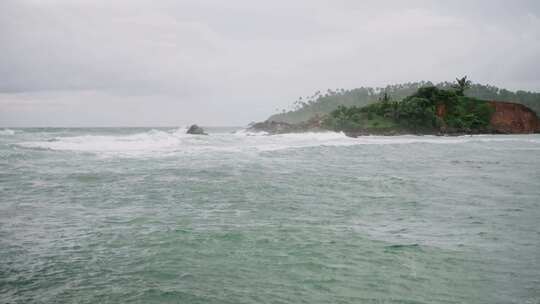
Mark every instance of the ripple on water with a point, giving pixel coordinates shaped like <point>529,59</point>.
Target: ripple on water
<point>155,216</point>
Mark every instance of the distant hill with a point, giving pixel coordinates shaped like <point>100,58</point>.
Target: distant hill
<point>323,103</point>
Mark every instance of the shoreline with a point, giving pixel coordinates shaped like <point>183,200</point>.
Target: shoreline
<point>393,132</point>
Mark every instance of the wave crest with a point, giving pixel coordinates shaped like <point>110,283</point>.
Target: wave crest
<point>7,132</point>
<point>159,142</point>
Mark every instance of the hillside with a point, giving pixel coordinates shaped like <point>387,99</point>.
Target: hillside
<point>324,103</point>
<point>429,110</point>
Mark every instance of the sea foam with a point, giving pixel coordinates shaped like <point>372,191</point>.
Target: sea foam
<point>7,132</point>
<point>159,142</point>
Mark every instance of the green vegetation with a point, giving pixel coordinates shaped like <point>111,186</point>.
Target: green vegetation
<point>323,103</point>
<point>429,109</point>
<point>461,85</point>
<point>355,118</point>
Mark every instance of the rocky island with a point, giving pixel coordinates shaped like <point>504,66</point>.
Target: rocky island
<point>430,109</point>
<point>196,130</point>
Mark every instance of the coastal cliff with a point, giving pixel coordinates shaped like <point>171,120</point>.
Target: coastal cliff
<point>513,118</point>
<point>506,118</point>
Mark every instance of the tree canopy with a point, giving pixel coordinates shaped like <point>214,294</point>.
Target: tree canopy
<point>416,113</point>
<point>323,103</point>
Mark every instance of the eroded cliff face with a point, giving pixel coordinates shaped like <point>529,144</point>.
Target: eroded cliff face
<point>511,117</point>
<point>507,118</point>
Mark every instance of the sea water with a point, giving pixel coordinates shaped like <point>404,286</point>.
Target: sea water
<point>157,216</point>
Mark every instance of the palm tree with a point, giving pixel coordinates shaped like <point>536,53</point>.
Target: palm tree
<point>384,98</point>
<point>461,85</point>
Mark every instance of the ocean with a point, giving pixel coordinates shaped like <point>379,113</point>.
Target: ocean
<point>152,215</point>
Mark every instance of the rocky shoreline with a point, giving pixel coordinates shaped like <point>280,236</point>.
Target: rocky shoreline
<point>507,118</point>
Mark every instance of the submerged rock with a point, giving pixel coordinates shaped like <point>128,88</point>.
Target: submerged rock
<point>196,130</point>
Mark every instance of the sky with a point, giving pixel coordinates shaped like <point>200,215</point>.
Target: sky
<point>227,63</point>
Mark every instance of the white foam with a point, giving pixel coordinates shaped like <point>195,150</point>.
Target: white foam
<point>157,142</point>
<point>246,132</point>
<point>7,132</point>
<point>153,140</point>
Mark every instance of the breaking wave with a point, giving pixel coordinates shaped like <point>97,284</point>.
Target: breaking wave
<point>177,141</point>
<point>7,132</point>
<point>153,140</point>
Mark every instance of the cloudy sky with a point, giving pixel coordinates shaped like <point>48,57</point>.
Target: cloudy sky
<point>215,62</point>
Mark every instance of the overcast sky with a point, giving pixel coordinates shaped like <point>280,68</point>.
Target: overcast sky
<point>171,63</point>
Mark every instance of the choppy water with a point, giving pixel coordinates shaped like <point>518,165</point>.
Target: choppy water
<point>157,216</point>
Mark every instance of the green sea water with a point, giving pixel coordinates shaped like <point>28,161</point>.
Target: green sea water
<point>156,216</point>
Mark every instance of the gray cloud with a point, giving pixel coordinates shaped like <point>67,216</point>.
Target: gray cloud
<point>229,62</point>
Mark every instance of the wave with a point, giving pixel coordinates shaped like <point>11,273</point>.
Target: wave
<point>147,141</point>
<point>246,132</point>
<point>157,142</point>
<point>178,140</point>
<point>7,132</point>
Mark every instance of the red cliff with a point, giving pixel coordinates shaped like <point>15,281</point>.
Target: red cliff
<point>511,117</point>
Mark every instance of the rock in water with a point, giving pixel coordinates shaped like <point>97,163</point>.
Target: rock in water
<point>314,124</point>
<point>194,129</point>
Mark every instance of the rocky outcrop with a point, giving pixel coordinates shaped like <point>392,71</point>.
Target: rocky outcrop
<point>513,118</point>
<point>272,127</point>
<point>276,127</point>
<point>196,130</point>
